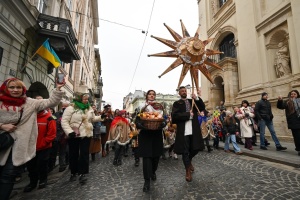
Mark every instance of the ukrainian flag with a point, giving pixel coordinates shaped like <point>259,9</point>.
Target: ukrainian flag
<point>48,53</point>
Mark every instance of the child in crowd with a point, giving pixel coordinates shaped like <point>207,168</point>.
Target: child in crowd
<point>230,128</point>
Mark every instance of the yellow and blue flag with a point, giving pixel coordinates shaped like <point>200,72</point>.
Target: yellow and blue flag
<point>48,53</point>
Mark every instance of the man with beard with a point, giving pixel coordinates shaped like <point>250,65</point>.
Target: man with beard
<point>189,139</point>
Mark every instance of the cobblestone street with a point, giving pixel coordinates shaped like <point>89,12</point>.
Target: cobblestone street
<point>218,175</point>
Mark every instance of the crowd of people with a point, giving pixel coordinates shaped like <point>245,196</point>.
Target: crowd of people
<point>33,135</point>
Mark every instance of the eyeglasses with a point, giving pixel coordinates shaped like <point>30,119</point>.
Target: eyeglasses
<point>15,87</point>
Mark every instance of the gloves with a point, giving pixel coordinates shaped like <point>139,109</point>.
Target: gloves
<point>140,126</point>
<point>163,125</point>
<point>72,135</point>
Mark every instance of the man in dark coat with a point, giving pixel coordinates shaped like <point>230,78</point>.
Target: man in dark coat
<point>264,114</point>
<point>189,139</point>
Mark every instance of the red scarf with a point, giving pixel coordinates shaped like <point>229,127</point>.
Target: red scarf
<point>7,99</point>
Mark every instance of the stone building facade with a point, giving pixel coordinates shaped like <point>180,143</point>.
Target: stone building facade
<point>70,25</point>
<point>134,102</point>
<point>261,52</point>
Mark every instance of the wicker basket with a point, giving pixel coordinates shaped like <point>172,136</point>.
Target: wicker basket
<point>151,124</point>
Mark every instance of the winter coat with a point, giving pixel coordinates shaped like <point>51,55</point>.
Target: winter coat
<point>150,141</point>
<point>179,117</point>
<point>24,147</point>
<point>246,125</point>
<point>293,121</point>
<point>230,126</point>
<point>46,130</point>
<point>78,118</point>
<point>263,110</point>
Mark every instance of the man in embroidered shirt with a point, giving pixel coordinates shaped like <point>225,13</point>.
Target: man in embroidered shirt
<point>188,140</point>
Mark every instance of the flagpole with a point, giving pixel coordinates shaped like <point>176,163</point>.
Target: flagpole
<point>33,55</point>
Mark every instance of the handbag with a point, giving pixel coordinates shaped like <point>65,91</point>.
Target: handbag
<point>6,140</point>
<point>103,130</point>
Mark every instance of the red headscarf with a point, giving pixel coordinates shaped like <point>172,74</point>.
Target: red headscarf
<point>7,99</point>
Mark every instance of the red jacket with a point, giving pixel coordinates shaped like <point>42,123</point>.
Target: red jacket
<point>46,130</point>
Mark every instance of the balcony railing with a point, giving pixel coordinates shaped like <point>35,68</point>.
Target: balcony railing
<point>229,51</point>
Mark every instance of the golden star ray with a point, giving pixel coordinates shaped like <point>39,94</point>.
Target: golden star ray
<point>191,52</point>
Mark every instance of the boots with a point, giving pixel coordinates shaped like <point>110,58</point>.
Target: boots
<point>137,162</point>
<point>93,156</point>
<point>209,149</point>
<point>115,162</point>
<point>146,187</point>
<point>192,168</point>
<point>103,153</point>
<point>188,174</point>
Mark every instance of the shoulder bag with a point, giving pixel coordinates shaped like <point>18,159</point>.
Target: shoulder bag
<point>6,140</point>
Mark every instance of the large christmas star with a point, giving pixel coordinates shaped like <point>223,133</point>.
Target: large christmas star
<point>189,51</point>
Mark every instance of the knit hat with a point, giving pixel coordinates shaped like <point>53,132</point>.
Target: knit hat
<point>228,112</point>
<point>264,94</point>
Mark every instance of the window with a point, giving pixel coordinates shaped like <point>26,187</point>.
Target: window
<point>222,2</point>
<point>1,54</point>
<point>70,70</point>
<point>41,6</point>
<point>228,47</point>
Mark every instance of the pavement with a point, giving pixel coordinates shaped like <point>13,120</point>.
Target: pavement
<point>288,157</point>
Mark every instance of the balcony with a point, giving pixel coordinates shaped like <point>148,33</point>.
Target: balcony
<point>61,36</point>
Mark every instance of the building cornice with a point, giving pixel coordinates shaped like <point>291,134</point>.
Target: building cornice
<point>224,18</point>
<point>274,16</point>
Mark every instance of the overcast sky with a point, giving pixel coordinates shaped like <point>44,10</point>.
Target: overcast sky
<point>124,61</point>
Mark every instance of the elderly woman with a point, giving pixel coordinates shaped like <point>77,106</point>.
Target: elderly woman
<point>18,116</point>
<point>77,124</point>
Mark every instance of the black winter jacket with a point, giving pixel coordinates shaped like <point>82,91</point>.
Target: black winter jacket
<point>263,110</point>
<point>292,120</point>
<point>230,126</point>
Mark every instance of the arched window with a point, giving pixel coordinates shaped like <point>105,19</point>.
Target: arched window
<point>228,47</point>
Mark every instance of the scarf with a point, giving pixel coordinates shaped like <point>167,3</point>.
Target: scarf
<point>7,99</point>
<point>297,106</point>
<point>155,105</point>
<point>81,105</point>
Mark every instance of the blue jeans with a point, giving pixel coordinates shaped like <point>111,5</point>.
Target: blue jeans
<point>233,140</point>
<point>262,128</point>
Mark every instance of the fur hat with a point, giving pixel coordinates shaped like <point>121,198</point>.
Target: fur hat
<point>228,112</point>
<point>264,94</point>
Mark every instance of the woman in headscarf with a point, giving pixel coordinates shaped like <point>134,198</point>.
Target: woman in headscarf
<point>292,112</point>
<point>150,141</point>
<point>77,124</point>
<point>18,116</point>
